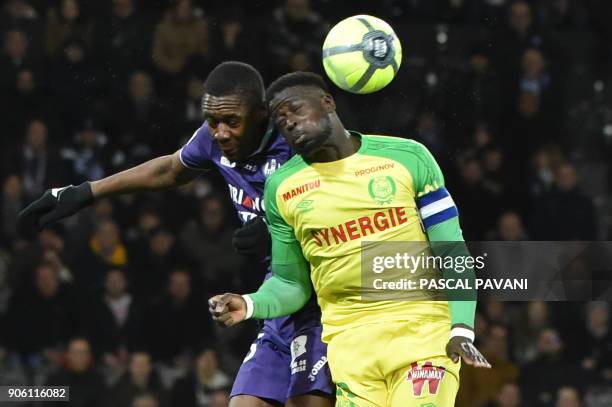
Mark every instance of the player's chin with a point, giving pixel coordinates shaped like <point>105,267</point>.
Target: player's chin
<point>309,146</point>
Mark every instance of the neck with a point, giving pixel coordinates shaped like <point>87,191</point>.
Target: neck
<point>255,142</point>
<point>339,145</point>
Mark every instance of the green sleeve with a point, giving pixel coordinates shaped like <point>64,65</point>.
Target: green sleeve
<point>289,288</point>
<point>446,239</point>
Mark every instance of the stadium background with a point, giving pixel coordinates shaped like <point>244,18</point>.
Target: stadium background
<point>513,98</point>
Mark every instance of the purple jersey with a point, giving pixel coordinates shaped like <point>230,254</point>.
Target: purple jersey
<point>246,179</point>
<point>272,370</point>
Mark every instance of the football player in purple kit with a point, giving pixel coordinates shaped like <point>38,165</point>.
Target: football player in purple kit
<point>287,363</point>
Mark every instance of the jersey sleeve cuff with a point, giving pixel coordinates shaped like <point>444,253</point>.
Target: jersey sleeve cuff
<point>182,160</point>
<point>463,332</point>
<point>249,305</point>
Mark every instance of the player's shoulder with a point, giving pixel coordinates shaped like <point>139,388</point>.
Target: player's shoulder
<point>380,142</point>
<point>197,152</point>
<point>293,165</point>
<point>398,148</point>
<point>200,135</point>
<point>203,130</point>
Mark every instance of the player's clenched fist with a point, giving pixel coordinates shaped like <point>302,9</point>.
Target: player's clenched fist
<point>56,204</point>
<point>228,309</point>
<point>462,347</point>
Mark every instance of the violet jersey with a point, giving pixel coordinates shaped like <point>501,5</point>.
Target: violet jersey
<point>271,370</point>
<point>245,179</point>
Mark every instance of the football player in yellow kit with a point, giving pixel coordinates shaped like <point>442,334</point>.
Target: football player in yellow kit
<point>344,189</point>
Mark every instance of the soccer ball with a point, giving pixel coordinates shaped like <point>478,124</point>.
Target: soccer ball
<point>361,54</point>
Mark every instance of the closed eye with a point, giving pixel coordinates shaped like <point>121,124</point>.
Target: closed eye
<point>280,122</point>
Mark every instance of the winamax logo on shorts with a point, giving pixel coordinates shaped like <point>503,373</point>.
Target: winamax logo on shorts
<point>432,375</point>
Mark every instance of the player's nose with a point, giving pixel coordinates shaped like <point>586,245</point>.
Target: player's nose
<point>291,125</point>
<point>223,132</point>
<point>221,136</point>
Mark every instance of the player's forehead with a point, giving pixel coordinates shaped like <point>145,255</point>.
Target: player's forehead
<point>292,95</point>
<point>223,106</point>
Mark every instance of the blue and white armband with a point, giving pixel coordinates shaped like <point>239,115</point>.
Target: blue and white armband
<point>436,207</point>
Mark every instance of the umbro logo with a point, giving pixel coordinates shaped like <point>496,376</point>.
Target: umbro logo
<point>305,205</point>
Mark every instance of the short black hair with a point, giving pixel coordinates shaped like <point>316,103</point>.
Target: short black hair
<point>236,78</point>
<point>295,79</point>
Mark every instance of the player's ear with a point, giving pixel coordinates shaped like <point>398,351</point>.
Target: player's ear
<point>328,103</point>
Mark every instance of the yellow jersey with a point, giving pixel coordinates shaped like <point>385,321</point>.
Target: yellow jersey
<point>332,209</point>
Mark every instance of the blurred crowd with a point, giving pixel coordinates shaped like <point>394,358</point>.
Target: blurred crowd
<point>512,97</point>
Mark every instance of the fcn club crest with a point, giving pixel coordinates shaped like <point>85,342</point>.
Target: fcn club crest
<point>382,189</point>
<point>425,375</point>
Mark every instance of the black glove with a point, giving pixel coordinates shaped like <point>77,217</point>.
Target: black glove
<point>56,204</point>
<point>459,347</point>
<point>253,238</point>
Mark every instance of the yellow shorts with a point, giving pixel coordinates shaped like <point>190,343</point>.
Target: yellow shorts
<point>393,364</point>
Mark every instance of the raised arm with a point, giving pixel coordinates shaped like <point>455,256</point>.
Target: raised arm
<point>58,203</point>
<point>159,173</point>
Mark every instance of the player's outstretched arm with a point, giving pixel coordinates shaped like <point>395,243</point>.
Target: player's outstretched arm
<point>58,203</point>
<point>156,174</point>
<point>286,292</point>
<point>440,218</point>
<point>289,288</point>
